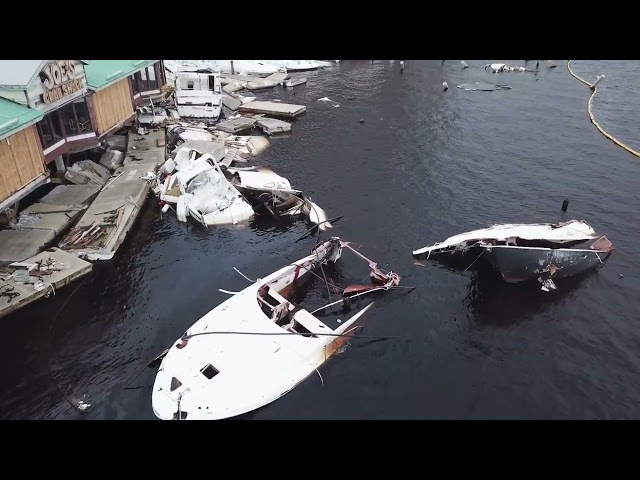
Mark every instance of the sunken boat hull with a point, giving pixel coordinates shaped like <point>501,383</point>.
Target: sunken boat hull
<point>525,264</point>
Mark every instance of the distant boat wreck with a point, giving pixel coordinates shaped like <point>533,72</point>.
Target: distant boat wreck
<point>526,252</point>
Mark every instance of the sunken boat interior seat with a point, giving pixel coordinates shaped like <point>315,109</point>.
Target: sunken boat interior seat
<point>311,323</point>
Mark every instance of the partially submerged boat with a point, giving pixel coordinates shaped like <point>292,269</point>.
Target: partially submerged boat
<point>258,345</point>
<point>555,234</point>
<point>519,264</point>
<point>196,184</point>
<point>266,189</point>
<point>526,252</point>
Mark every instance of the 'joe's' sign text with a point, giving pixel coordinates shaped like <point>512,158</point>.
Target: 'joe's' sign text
<point>59,80</point>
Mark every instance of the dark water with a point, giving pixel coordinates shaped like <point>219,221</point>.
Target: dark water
<point>426,164</point>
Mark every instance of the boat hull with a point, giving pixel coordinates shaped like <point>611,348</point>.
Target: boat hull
<point>524,264</point>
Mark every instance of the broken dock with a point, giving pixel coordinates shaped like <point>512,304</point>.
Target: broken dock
<point>285,110</point>
<point>53,270</point>
<point>105,224</point>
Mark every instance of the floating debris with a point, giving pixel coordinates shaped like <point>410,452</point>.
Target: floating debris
<point>483,87</point>
<point>272,126</point>
<point>294,82</point>
<point>328,100</point>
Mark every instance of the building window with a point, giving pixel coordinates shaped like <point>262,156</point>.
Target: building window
<point>151,74</point>
<point>134,85</point>
<point>82,114</point>
<point>189,84</point>
<point>49,130</point>
<point>75,118</point>
<point>145,80</point>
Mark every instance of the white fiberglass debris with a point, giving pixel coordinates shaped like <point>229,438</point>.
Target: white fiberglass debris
<point>328,100</point>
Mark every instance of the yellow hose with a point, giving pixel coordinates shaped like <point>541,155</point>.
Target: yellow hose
<point>590,110</point>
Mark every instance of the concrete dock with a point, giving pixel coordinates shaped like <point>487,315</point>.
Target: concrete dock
<point>285,110</point>
<point>148,148</point>
<point>39,224</point>
<point>72,268</point>
<point>105,224</point>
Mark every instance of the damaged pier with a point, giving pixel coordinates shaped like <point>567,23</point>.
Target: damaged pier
<point>38,276</point>
<point>105,224</point>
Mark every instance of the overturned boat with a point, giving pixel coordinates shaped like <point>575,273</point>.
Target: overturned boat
<point>266,189</point>
<point>258,345</point>
<point>525,252</point>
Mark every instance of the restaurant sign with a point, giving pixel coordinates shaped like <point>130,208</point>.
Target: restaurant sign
<point>59,80</point>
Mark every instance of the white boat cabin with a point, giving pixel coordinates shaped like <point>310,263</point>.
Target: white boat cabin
<point>198,94</point>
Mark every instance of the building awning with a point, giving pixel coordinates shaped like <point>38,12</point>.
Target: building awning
<point>104,73</point>
<point>15,117</point>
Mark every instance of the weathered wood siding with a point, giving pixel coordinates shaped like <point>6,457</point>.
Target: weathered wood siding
<point>112,106</point>
<point>21,161</point>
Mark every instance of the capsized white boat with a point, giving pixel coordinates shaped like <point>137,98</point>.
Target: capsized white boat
<point>257,346</point>
<point>567,233</point>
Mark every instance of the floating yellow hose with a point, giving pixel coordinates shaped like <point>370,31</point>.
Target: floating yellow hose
<point>593,120</point>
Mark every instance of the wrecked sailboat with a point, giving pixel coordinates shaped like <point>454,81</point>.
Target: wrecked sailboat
<point>266,189</point>
<point>525,252</point>
<point>518,264</point>
<point>555,234</point>
<point>258,345</point>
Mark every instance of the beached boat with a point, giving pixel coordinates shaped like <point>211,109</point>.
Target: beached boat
<point>294,82</point>
<point>258,345</point>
